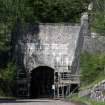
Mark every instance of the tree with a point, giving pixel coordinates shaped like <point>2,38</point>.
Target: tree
<point>92,67</point>
<point>50,11</point>
<point>58,10</point>
<point>8,80</point>
<point>98,17</point>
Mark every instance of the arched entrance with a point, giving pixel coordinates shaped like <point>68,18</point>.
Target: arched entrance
<point>42,79</point>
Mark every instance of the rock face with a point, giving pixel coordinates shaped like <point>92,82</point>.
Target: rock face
<point>98,91</point>
<point>52,45</point>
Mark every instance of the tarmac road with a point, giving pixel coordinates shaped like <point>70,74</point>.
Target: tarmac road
<point>35,102</point>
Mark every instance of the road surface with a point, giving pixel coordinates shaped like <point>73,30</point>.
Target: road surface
<point>35,102</point>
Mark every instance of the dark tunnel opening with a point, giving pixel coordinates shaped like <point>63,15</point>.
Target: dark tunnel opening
<point>42,79</point>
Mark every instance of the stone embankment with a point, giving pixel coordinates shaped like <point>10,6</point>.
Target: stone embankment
<point>94,44</point>
<point>97,92</point>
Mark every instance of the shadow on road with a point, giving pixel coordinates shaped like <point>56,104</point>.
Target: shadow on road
<point>22,101</point>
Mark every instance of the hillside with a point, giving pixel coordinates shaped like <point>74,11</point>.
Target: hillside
<point>92,68</point>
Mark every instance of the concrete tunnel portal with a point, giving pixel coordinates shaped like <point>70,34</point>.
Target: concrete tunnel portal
<point>35,39</point>
<point>42,79</point>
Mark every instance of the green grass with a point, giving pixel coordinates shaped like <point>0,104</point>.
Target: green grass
<point>5,97</point>
<point>100,78</point>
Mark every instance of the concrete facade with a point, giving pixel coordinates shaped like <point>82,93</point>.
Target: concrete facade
<point>94,44</point>
<point>55,45</point>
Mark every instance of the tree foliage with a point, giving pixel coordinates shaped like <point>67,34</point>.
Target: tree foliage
<point>8,80</point>
<point>43,10</point>
<point>92,66</point>
<point>98,17</point>
<point>37,11</point>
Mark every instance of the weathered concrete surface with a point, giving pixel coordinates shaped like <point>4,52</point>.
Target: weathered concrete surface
<point>94,44</point>
<point>50,45</point>
<point>47,45</point>
<point>36,102</point>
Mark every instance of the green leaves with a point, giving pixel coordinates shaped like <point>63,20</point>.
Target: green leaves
<point>3,38</point>
<point>9,73</point>
<point>92,66</point>
<point>58,10</point>
<point>98,23</point>
<point>44,10</point>
<point>8,80</point>
<point>37,11</point>
<point>98,17</point>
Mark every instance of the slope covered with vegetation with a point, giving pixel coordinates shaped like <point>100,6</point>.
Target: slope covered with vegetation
<point>93,64</point>
<point>92,68</point>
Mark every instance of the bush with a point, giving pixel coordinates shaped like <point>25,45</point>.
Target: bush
<point>8,80</point>
<point>92,67</point>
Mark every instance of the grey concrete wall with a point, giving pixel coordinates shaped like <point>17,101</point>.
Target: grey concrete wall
<point>56,46</point>
<point>94,44</point>
<point>49,45</point>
